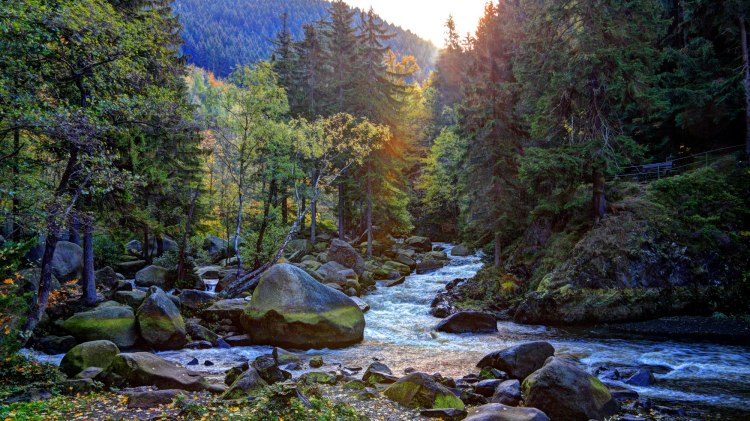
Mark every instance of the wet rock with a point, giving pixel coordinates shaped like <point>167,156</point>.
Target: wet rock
<point>460,251</point>
<point>470,398</point>
<point>316,361</point>
<point>283,356</point>
<point>362,304</point>
<point>88,354</point>
<point>447,414</point>
<point>428,265</point>
<point>507,393</point>
<point>151,398</point>
<point>500,412</point>
<point>519,361</point>
<point>468,322</point>
<point>291,309</point>
<point>643,377</point>
<point>622,394</point>
<point>208,363</point>
<point>195,300</point>
<point>89,373</point>
<point>108,321</point>
<point>194,361</point>
<point>421,390</point>
<point>54,345</point>
<point>199,345</point>
<point>199,332</point>
<point>145,369</point>
<point>239,340</point>
<point>566,392</point>
<point>160,323</point>
<point>387,283</point>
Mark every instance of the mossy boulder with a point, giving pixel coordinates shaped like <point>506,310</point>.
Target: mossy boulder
<point>420,390</point>
<point>318,377</point>
<point>249,383</point>
<point>232,309</point>
<point>564,391</point>
<point>153,276</point>
<point>88,354</point>
<point>291,309</point>
<point>109,321</point>
<point>145,369</point>
<point>160,322</point>
<point>419,243</point>
<point>519,361</point>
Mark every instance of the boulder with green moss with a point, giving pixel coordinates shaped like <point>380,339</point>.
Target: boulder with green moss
<point>153,276</point>
<point>110,321</point>
<point>88,354</point>
<point>564,391</point>
<point>160,323</point>
<point>291,309</point>
<point>248,383</point>
<point>420,390</point>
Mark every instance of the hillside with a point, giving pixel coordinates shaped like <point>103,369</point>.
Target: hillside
<point>220,35</point>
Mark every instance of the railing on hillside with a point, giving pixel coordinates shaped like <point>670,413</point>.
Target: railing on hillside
<point>654,171</point>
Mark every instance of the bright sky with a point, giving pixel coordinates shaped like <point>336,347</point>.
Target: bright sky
<point>426,18</point>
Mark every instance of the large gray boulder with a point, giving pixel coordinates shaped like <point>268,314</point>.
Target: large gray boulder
<point>108,321</point>
<point>499,412</point>
<point>565,391</point>
<point>160,322</point>
<point>460,251</point>
<point>343,253</point>
<point>152,276</point>
<point>468,322</point>
<point>145,369</point>
<point>248,383</point>
<point>67,261</point>
<point>519,361</point>
<point>88,354</point>
<point>291,309</point>
<point>232,309</point>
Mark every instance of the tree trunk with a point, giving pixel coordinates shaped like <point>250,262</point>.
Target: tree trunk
<point>599,201</point>
<point>39,305</point>
<point>264,223</point>
<point>342,228</point>
<point>237,234</point>
<point>302,223</point>
<point>746,82</point>
<point>313,215</point>
<point>159,245</point>
<point>498,250</point>
<point>182,259</point>
<point>369,216</point>
<point>88,280</point>
<point>284,208</point>
<point>73,235</point>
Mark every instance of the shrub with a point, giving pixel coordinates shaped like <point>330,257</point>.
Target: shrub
<point>107,252</point>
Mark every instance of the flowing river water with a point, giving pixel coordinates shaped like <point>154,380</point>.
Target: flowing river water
<point>713,379</point>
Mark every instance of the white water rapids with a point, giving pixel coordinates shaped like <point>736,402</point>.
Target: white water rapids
<point>711,377</point>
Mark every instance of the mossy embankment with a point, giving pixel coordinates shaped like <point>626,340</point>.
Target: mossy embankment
<point>675,246</point>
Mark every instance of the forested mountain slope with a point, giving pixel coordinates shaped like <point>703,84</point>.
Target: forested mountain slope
<point>220,35</point>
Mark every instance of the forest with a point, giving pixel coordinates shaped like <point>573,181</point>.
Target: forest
<point>295,210</point>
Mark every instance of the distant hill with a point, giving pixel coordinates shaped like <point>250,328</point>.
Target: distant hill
<point>220,34</point>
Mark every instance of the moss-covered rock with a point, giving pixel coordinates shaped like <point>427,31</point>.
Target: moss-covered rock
<point>420,390</point>
<point>419,243</point>
<point>88,354</point>
<point>132,298</point>
<point>153,276</point>
<point>109,321</point>
<point>249,383</point>
<point>160,323</point>
<point>564,391</point>
<point>291,309</point>
<point>318,377</point>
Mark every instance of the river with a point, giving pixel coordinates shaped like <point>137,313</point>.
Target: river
<point>707,377</point>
